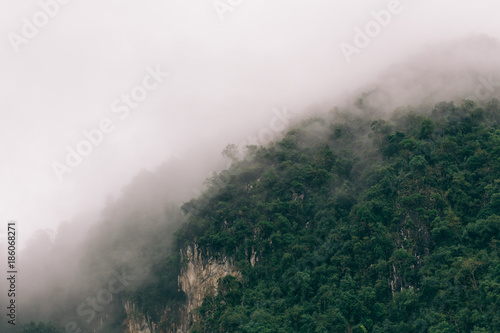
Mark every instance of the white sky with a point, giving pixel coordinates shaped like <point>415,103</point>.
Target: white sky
<point>225,78</point>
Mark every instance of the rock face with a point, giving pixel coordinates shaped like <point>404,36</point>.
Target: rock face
<point>200,278</point>
<point>136,322</point>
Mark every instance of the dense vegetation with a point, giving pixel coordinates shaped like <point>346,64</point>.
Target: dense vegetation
<point>360,225</point>
<point>357,222</point>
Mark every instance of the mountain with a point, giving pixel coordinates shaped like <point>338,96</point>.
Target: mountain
<point>357,220</point>
<point>356,224</point>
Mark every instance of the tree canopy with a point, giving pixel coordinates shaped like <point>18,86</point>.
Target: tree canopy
<point>360,225</point>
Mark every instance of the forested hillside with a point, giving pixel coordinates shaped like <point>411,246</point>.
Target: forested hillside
<point>359,225</point>
<point>355,221</point>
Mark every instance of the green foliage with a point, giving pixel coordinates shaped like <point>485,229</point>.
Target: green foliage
<point>398,233</point>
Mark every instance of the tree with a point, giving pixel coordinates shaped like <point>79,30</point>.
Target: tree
<point>230,152</point>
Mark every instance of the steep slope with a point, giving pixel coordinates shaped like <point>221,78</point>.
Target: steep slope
<point>356,221</point>
<point>355,224</point>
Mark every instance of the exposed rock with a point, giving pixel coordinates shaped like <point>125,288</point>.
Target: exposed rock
<point>136,322</point>
<point>200,278</point>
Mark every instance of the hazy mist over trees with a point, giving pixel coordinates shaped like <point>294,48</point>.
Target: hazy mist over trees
<point>365,184</point>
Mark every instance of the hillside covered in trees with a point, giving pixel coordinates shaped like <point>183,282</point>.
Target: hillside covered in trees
<point>360,225</point>
<point>351,222</point>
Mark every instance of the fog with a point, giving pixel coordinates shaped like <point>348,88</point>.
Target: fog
<point>225,77</point>
<point>207,77</point>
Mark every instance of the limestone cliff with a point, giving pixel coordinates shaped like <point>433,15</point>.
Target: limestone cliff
<point>199,278</point>
<point>136,322</point>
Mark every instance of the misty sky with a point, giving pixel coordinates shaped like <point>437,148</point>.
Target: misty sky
<point>225,77</point>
